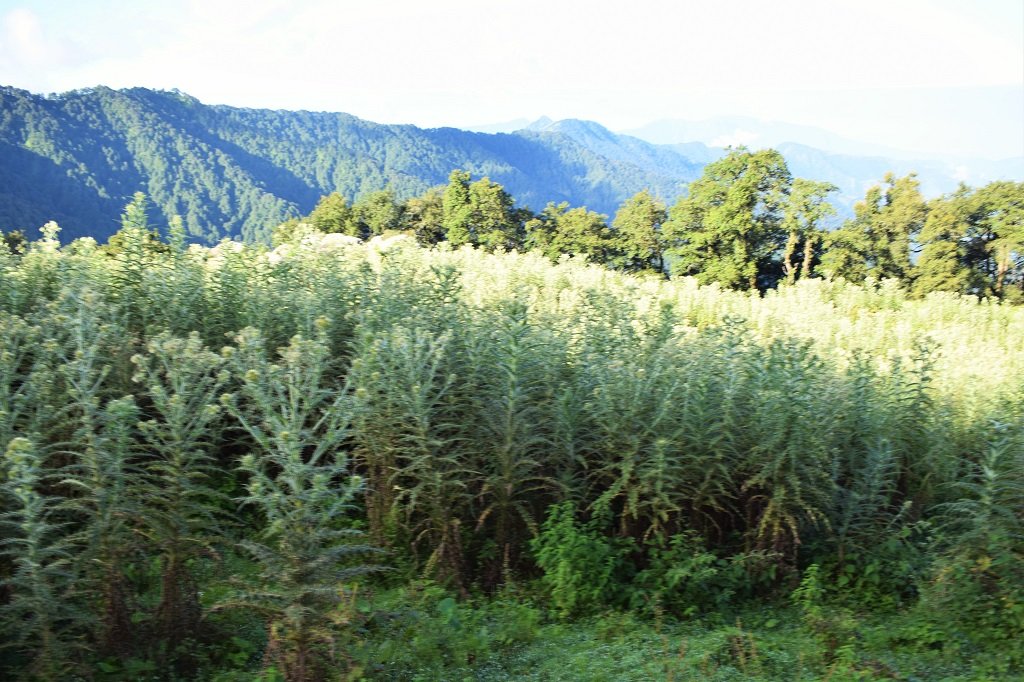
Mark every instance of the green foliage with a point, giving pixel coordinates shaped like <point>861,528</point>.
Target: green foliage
<point>944,261</point>
<point>333,214</point>
<point>978,584</point>
<point>38,619</point>
<point>424,216</point>
<point>876,242</point>
<point>183,511</point>
<point>638,226</point>
<point>682,579</point>
<point>512,440</point>
<point>407,438</point>
<point>559,230</point>
<point>997,238</point>
<point>456,209</point>
<point>14,241</point>
<point>97,473</point>
<point>299,482</point>
<point>832,626</point>
<point>806,209</point>
<point>430,635</point>
<point>376,213</point>
<point>788,485</point>
<point>26,379</point>
<point>687,452</point>
<point>581,564</point>
<point>728,227</point>
<point>237,173</point>
<point>480,213</point>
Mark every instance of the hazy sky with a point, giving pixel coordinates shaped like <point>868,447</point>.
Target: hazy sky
<point>933,75</point>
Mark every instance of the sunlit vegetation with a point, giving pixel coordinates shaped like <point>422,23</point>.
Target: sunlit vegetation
<point>340,458</point>
<point>746,223</point>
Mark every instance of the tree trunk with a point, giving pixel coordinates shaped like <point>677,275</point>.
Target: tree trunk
<point>806,267</point>
<point>787,258</point>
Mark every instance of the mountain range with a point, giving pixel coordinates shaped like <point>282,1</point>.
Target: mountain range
<point>78,157</point>
<point>811,152</point>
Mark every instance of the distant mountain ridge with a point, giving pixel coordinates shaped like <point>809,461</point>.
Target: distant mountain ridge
<point>818,154</point>
<point>78,157</point>
<point>852,166</point>
<point>723,131</point>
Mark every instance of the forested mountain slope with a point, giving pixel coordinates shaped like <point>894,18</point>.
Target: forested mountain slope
<point>75,157</point>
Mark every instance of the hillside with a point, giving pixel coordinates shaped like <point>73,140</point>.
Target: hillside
<point>75,157</point>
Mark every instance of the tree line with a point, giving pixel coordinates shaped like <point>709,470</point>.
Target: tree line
<point>746,223</point>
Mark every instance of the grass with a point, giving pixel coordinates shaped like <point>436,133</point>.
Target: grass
<point>431,639</point>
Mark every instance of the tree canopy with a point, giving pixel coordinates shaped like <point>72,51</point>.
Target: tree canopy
<point>728,229</point>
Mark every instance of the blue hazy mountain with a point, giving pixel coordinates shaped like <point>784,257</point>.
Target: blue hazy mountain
<point>819,154</point>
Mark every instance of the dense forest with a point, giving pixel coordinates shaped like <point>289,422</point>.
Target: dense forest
<point>347,459</point>
<point>228,172</point>
<point>743,221</point>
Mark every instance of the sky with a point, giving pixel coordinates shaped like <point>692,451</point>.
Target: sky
<point>936,76</point>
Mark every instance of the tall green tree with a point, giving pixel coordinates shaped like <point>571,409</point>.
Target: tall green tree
<point>456,209</point>
<point>876,242</point>
<point>945,245</point>
<point>495,222</point>
<point>562,230</point>
<point>424,216</point>
<point>728,228</point>
<point>377,213</point>
<point>638,230</point>
<point>333,214</point>
<point>1002,235</point>
<point>480,213</point>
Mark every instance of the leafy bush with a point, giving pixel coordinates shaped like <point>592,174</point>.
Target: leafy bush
<point>682,578</point>
<point>582,567</point>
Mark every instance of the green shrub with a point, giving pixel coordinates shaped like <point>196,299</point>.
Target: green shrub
<point>582,567</point>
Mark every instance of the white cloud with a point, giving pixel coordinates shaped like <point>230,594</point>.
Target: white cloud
<point>32,55</point>
<point>25,45</point>
<point>23,36</point>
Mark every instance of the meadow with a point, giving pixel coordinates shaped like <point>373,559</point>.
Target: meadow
<point>342,459</point>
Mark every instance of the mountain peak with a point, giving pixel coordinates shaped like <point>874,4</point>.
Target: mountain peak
<point>573,127</point>
<point>541,124</point>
